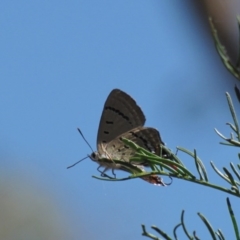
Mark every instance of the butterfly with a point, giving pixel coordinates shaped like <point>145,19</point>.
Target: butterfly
<point>123,118</point>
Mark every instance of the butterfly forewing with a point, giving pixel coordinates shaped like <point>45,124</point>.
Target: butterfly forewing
<point>120,115</point>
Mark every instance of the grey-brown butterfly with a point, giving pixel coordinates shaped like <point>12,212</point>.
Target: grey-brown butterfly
<point>123,118</point>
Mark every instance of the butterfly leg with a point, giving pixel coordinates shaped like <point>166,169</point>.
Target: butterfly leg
<point>113,173</point>
<point>103,174</point>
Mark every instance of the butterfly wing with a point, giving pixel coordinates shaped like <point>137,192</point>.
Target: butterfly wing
<point>145,137</point>
<point>120,115</point>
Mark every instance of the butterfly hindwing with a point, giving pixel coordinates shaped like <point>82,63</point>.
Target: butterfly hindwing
<point>145,137</point>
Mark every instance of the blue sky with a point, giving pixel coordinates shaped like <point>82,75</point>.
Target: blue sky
<point>59,61</point>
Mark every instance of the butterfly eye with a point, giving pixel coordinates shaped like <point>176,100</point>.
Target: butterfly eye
<point>93,155</point>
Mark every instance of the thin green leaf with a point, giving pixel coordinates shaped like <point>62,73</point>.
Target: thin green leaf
<point>137,148</point>
<point>172,156</point>
<point>219,134</point>
<point>200,167</point>
<point>231,140</point>
<point>184,227</point>
<point>146,234</point>
<point>232,127</point>
<point>237,91</point>
<point>114,179</point>
<point>159,231</point>
<point>227,144</point>
<point>235,171</point>
<point>238,21</point>
<point>150,157</point>
<point>197,166</point>
<point>222,52</point>
<point>235,189</point>
<point>234,142</point>
<point>208,225</point>
<point>234,222</point>
<point>220,173</point>
<point>230,178</point>
<point>195,235</point>
<point>130,143</point>
<point>154,160</point>
<point>175,230</point>
<point>234,116</point>
<point>220,235</point>
<point>177,167</point>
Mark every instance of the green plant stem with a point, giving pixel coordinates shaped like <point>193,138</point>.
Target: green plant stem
<point>207,184</point>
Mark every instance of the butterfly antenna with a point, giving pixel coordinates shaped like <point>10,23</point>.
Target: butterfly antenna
<point>77,162</point>
<point>85,139</point>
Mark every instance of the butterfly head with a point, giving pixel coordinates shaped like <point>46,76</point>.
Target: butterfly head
<point>94,156</point>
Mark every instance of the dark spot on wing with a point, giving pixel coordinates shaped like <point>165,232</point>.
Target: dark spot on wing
<point>119,113</point>
<point>106,132</point>
<point>109,122</point>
